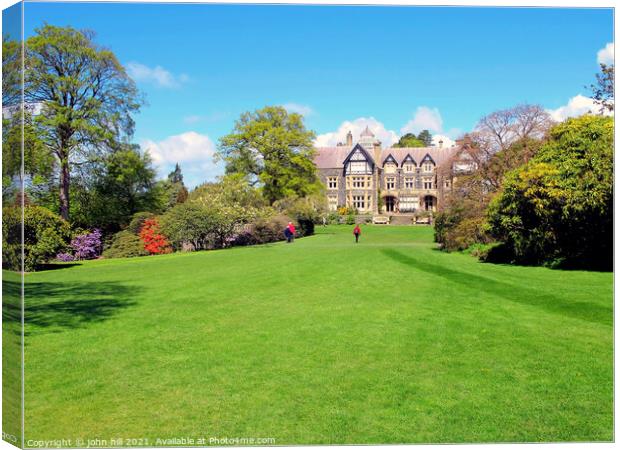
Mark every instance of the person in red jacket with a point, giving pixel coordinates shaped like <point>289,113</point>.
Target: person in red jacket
<point>291,229</point>
<point>356,232</point>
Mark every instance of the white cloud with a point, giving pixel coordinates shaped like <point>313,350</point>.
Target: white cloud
<point>425,118</point>
<point>193,151</point>
<point>157,75</point>
<point>576,106</point>
<point>447,141</point>
<point>304,110</point>
<point>387,137</point>
<point>606,54</point>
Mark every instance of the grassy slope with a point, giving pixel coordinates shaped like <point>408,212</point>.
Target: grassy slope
<point>322,341</point>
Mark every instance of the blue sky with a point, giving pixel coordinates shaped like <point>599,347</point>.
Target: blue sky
<point>396,69</point>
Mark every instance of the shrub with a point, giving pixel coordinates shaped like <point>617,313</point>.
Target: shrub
<point>205,223</point>
<point>498,253</point>
<point>154,241</point>
<point>333,218</point>
<point>350,219</point>
<point>65,257</point>
<point>472,230</point>
<point>187,223</point>
<point>87,245</point>
<point>45,235</point>
<point>263,231</point>
<point>346,211</point>
<point>125,244</point>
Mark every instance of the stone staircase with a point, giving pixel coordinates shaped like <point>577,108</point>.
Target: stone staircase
<point>402,219</point>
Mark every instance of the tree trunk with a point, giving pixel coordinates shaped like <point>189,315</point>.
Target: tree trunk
<point>64,187</point>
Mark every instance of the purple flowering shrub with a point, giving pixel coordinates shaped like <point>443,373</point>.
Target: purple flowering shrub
<point>64,257</point>
<point>87,245</point>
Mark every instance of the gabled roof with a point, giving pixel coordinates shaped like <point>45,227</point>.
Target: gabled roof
<point>408,158</point>
<point>436,154</point>
<point>389,158</point>
<point>335,157</point>
<point>363,151</point>
<point>428,157</point>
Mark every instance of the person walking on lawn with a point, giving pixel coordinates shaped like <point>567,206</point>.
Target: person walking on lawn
<point>287,234</point>
<point>356,232</point>
<point>291,229</point>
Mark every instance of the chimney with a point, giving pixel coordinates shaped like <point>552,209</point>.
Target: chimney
<point>377,151</point>
<point>349,138</point>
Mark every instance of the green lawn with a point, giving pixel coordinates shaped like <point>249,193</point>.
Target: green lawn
<point>321,341</point>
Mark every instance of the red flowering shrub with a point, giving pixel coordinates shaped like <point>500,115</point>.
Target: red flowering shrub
<point>154,242</point>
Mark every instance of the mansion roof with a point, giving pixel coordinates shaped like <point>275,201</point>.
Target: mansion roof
<point>334,157</point>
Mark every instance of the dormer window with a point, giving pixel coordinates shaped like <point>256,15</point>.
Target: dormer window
<point>428,165</point>
<point>390,165</point>
<point>358,163</point>
<point>409,164</point>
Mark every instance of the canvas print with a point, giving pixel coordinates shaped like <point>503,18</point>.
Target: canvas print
<point>298,224</point>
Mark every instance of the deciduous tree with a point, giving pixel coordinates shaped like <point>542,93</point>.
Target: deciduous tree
<point>275,150</point>
<point>86,98</point>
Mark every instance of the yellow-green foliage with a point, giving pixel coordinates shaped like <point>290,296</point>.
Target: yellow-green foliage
<point>557,209</point>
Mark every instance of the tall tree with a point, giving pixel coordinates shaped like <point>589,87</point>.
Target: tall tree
<point>426,137</point>
<point>603,90</point>
<point>86,98</point>
<point>176,176</point>
<point>174,187</point>
<point>273,148</point>
<point>500,129</point>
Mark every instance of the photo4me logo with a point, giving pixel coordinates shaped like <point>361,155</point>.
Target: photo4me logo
<point>189,441</point>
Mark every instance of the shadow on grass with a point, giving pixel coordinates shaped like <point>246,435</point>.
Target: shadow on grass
<point>587,311</point>
<point>56,266</point>
<point>52,307</point>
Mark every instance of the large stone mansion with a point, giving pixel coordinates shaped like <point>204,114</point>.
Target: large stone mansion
<point>407,180</point>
